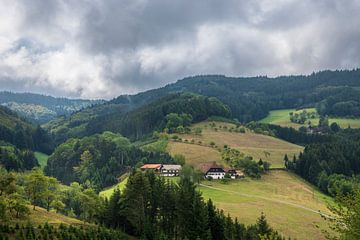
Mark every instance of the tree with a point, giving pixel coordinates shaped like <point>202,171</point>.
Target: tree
<point>286,161</point>
<point>346,218</point>
<point>179,159</point>
<point>262,225</point>
<point>335,127</point>
<point>266,166</point>
<point>86,162</point>
<point>198,131</point>
<point>51,192</point>
<point>36,184</point>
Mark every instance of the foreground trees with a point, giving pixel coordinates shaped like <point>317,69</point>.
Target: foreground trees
<point>346,221</point>
<point>153,208</point>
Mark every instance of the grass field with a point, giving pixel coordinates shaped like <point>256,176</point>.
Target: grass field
<point>42,158</point>
<point>282,118</point>
<point>291,205</point>
<point>256,145</point>
<point>41,216</point>
<point>106,193</point>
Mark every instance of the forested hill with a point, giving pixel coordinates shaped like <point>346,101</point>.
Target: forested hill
<point>250,98</point>
<point>40,108</point>
<point>18,132</point>
<point>332,92</point>
<point>140,121</point>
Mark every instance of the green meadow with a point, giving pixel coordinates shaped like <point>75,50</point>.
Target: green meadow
<point>42,159</point>
<point>282,118</point>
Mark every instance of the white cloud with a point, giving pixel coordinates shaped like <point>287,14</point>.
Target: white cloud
<point>101,49</point>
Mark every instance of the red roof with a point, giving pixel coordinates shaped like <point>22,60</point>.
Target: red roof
<point>151,166</point>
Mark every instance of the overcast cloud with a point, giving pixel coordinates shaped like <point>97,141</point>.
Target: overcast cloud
<point>101,49</point>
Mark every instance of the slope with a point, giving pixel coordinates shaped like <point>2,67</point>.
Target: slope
<point>41,216</point>
<point>40,108</point>
<point>256,145</point>
<point>249,98</point>
<point>291,205</point>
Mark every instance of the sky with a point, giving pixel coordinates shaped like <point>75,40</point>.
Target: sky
<point>102,49</point>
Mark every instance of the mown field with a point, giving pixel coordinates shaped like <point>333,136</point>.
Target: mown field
<point>42,159</point>
<point>106,193</point>
<point>282,118</point>
<point>291,205</point>
<point>41,216</point>
<point>256,145</point>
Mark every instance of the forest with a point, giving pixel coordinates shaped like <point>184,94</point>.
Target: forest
<point>98,160</point>
<point>333,93</point>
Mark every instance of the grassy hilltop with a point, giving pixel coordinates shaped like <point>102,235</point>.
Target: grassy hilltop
<point>290,203</point>
<point>258,146</point>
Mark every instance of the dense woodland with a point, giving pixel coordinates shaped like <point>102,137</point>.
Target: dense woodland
<point>98,160</point>
<point>23,135</point>
<point>333,93</point>
<point>333,166</point>
<point>145,120</point>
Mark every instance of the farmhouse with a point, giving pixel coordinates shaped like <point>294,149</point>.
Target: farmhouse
<point>166,170</point>
<point>212,170</point>
<point>217,172</point>
<point>234,173</point>
<point>170,170</point>
<point>154,167</point>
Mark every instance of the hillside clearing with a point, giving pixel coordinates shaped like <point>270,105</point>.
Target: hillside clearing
<point>40,216</point>
<point>282,118</point>
<point>42,159</point>
<point>256,145</point>
<point>106,193</point>
<point>290,204</point>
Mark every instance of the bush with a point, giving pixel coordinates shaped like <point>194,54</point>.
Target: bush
<point>225,180</point>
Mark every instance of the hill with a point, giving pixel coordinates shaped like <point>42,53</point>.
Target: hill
<point>291,204</point>
<point>40,108</point>
<point>20,133</point>
<point>141,121</point>
<point>282,118</point>
<point>258,146</point>
<point>40,216</point>
<point>249,98</point>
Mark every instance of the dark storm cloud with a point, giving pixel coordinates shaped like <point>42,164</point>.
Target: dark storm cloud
<point>106,48</point>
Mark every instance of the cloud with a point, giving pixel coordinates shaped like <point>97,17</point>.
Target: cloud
<point>101,49</point>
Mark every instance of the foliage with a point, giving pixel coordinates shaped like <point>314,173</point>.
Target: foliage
<point>346,216</point>
<point>12,158</point>
<point>330,165</point>
<point>99,159</point>
<point>302,117</point>
<point>153,208</point>
<point>23,135</point>
<point>170,112</point>
<point>63,232</point>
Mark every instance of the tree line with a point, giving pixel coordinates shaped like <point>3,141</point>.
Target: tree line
<point>333,166</point>
<point>152,208</point>
<point>98,159</point>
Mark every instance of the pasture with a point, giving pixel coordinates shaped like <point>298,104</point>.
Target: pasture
<point>41,216</point>
<point>258,146</point>
<point>282,118</point>
<point>106,193</point>
<point>291,205</point>
<point>42,159</point>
